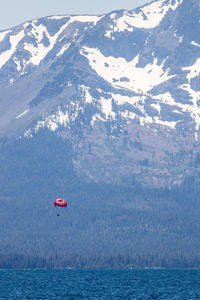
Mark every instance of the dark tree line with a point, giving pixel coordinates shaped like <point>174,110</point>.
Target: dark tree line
<point>115,261</point>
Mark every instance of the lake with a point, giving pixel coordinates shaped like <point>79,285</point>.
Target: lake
<point>100,284</point>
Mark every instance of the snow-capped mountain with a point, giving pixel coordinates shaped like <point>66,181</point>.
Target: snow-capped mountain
<point>123,87</point>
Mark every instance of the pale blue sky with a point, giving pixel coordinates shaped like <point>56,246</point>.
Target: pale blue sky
<point>15,12</point>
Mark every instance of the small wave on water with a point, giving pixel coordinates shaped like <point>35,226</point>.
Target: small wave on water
<point>100,284</point>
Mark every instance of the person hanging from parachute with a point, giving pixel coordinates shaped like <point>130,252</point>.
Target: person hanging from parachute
<point>60,203</point>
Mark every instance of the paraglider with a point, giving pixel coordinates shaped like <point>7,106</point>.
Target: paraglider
<point>60,203</point>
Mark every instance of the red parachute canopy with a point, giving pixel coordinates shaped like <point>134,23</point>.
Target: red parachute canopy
<point>60,202</point>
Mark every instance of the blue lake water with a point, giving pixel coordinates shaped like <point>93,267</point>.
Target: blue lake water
<point>100,284</point>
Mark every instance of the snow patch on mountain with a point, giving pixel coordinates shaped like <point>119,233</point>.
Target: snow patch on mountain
<point>86,19</point>
<point>39,51</point>
<point>147,17</point>
<point>17,61</point>
<point>14,41</point>
<point>86,94</point>
<point>62,117</point>
<point>97,117</point>
<point>156,120</point>
<point>3,34</point>
<point>63,49</point>
<point>81,18</point>
<point>151,15</point>
<point>52,121</point>
<point>193,109</point>
<point>60,17</point>
<point>119,25</point>
<point>43,40</point>
<point>106,106</point>
<point>166,98</point>
<point>121,73</point>
<point>120,100</point>
<point>157,107</point>
<point>194,70</point>
<point>195,44</point>
<point>138,103</point>
<point>22,114</point>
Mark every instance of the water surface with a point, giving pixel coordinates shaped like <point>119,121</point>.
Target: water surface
<point>100,284</point>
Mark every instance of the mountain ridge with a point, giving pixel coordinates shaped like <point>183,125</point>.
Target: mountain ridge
<point>125,75</point>
<point>105,114</point>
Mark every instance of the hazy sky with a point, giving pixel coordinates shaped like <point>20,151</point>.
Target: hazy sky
<point>15,12</point>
